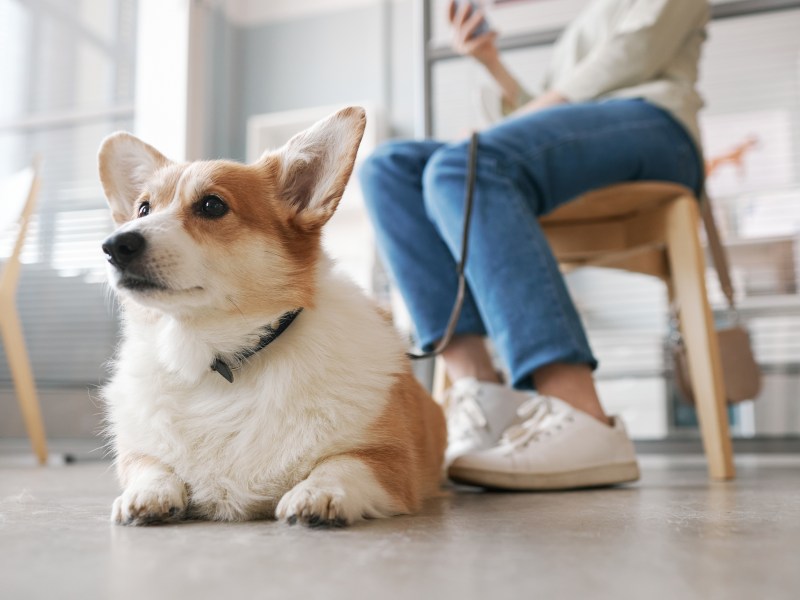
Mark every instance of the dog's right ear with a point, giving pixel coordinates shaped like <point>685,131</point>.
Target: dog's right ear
<point>125,163</point>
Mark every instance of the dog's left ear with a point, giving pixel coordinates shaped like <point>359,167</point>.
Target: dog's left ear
<point>315,165</point>
<point>126,163</point>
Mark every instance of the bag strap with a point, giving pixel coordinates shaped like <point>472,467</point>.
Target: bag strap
<point>718,255</point>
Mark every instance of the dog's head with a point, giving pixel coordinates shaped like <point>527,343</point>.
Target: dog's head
<point>218,235</point>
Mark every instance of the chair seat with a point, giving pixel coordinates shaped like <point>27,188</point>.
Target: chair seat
<point>619,226</point>
<point>615,202</point>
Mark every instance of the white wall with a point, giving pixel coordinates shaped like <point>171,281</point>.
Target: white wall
<point>250,13</point>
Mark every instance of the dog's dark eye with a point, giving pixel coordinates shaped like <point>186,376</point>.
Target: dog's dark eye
<point>144,209</point>
<point>212,206</point>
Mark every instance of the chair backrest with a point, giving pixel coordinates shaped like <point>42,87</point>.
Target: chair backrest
<point>18,195</point>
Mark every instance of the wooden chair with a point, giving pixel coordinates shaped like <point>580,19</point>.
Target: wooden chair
<point>18,195</point>
<point>651,228</point>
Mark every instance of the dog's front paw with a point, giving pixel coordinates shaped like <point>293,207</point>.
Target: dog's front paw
<point>159,502</point>
<point>316,507</point>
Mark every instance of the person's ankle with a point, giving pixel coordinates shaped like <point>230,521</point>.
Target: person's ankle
<point>460,369</point>
<point>478,375</point>
<point>574,384</point>
<point>589,408</point>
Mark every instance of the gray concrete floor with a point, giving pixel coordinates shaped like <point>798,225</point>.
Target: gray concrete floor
<point>672,535</point>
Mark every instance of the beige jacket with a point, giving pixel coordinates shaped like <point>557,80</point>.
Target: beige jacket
<point>634,49</point>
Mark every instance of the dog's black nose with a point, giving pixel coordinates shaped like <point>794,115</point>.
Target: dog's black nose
<point>122,248</point>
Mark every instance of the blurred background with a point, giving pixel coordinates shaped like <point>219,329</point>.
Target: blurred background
<point>230,78</point>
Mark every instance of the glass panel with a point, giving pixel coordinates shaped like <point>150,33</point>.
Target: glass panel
<point>751,128</point>
<point>70,84</point>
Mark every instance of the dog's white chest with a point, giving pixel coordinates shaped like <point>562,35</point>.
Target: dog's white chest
<point>241,446</point>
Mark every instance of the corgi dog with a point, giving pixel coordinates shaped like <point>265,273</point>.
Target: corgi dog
<point>252,380</point>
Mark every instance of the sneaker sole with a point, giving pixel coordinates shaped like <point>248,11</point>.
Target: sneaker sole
<point>583,478</point>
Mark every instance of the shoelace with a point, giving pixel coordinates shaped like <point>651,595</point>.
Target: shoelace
<point>465,414</point>
<point>541,417</point>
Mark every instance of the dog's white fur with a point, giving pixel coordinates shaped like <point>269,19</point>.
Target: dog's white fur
<point>308,429</point>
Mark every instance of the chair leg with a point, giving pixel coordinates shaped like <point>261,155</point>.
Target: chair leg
<point>687,266</point>
<point>23,379</point>
<point>440,380</point>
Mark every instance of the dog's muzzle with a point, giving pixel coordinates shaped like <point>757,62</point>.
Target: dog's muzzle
<point>123,248</point>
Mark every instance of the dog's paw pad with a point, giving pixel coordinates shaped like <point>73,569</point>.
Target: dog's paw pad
<point>318,522</point>
<point>314,508</point>
<point>148,506</point>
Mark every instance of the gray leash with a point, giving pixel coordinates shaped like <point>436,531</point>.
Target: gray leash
<point>462,283</point>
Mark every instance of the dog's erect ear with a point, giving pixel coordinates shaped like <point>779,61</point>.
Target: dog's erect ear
<point>315,166</point>
<point>125,163</point>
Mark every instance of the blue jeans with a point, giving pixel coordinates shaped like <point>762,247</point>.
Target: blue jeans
<point>527,166</point>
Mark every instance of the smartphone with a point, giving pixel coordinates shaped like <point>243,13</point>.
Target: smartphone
<point>483,26</point>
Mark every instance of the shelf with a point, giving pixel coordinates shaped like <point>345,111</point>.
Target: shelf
<point>777,306</point>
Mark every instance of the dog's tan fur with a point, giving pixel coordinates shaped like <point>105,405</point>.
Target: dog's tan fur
<point>409,472</point>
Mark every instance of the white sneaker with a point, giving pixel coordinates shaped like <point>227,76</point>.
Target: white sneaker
<point>477,415</point>
<point>555,447</point>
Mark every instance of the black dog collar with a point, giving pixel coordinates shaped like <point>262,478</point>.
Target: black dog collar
<point>271,333</point>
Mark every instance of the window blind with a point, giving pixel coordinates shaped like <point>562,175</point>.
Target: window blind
<point>68,82</point>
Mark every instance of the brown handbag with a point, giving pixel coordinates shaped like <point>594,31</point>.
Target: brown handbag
<point>740,372</point>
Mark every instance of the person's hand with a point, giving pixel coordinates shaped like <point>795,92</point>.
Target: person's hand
<point>465,21</point>
<point>547,99</point>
